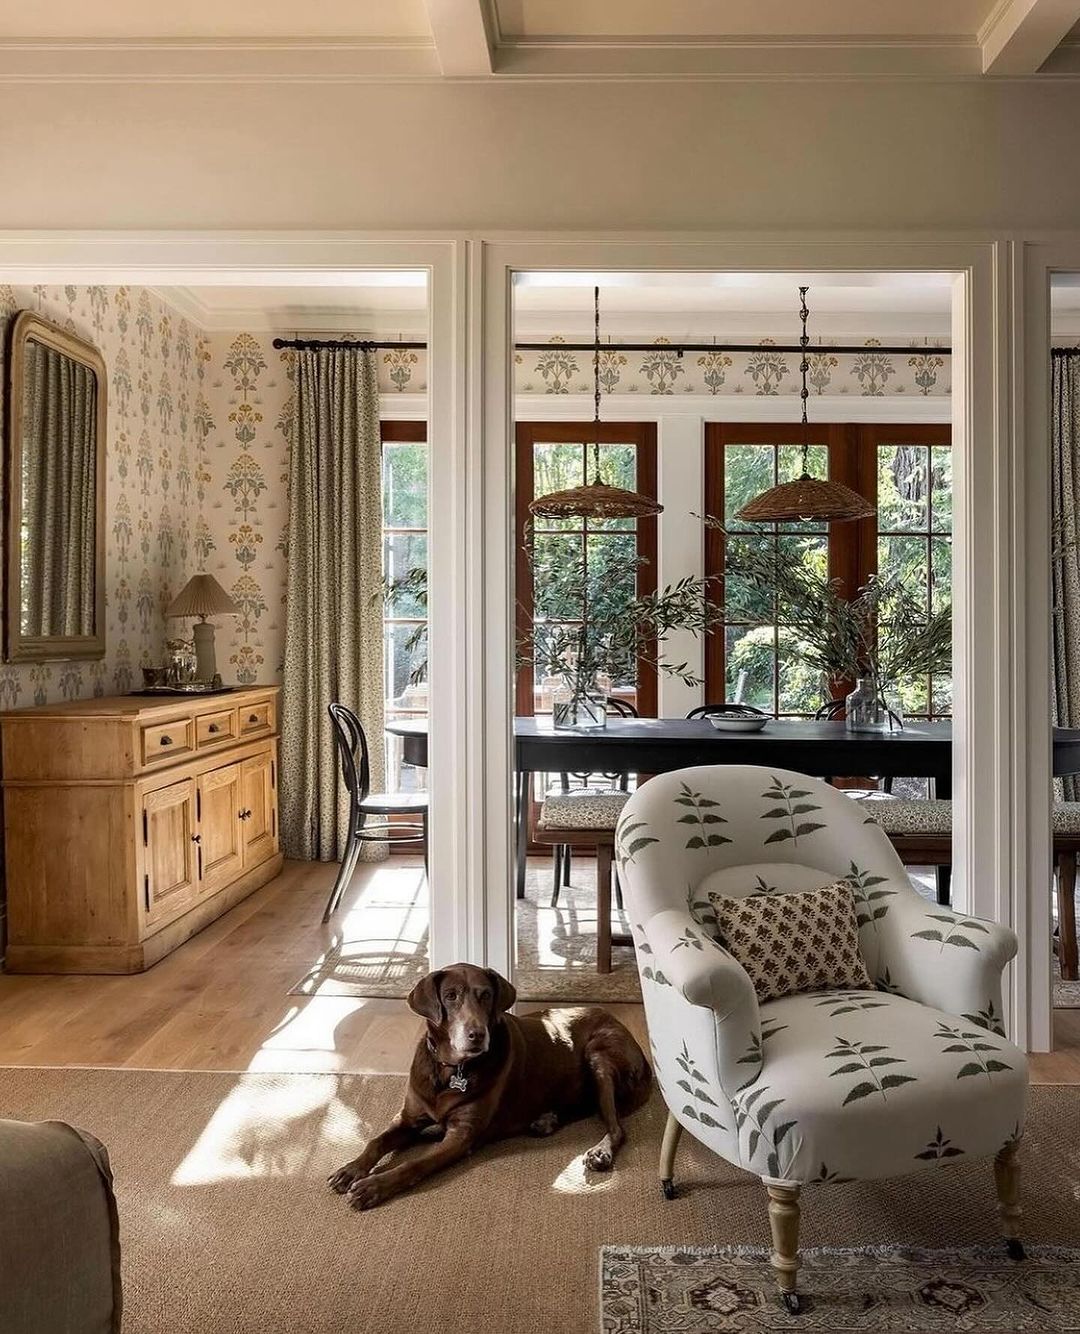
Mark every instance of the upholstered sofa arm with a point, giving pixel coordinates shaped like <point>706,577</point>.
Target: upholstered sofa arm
<point>942,958</point>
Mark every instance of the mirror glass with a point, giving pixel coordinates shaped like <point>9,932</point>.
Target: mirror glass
<point>57,424</point>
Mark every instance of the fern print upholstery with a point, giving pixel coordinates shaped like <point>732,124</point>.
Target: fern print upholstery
<point>826,1086</point>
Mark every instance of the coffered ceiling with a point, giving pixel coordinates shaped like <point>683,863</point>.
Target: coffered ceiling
<point>349,40</point>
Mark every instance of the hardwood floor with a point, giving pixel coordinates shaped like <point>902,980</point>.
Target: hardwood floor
<point>221,1002</point>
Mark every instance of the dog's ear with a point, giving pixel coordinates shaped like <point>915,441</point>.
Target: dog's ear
<point>505,993</point>
<point>424,998</point>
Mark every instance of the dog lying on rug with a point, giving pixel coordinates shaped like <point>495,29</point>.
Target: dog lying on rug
<point>480,1074</point>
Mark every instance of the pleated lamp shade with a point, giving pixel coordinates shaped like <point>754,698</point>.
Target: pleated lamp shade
<point>202,595</point>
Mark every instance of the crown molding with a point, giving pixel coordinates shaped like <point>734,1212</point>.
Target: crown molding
<point>235,60</point>
<point>419,59</point>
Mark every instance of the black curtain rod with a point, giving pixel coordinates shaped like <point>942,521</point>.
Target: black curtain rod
<point>680,348</point>
<point>364,344</point>
<point>370,344</point>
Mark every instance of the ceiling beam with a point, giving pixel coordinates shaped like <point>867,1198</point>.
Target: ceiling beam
<point>462,32</point>
<point>1020,35</point>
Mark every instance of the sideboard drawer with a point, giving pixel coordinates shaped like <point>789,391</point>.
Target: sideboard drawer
<point>162,741</point>
<point>256,718</point>
<point>213,728</point>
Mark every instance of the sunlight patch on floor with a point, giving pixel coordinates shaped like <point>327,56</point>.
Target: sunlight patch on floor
<point>575,1180</point>
<point>306,1038</point>
<point>268,1130</point>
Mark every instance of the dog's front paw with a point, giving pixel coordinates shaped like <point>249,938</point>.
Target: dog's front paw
<point>367,1192</point>
<point>599,1159</point>
<point>345,1177</point>
<point>545,1125</point>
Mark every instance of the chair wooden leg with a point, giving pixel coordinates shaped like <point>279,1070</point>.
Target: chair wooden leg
<point>784,1222</point>
<point>1010,1210</point>
<point>943,876</point>
<point>618,890</point>
<point>672,1135</point>
<point>603,907</point>
<point>566,864</point>
<point>1066,913</point>
<point>344,875</point>
<point>557,854</point>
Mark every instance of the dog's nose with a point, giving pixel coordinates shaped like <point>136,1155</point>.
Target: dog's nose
<point>474,1036</point>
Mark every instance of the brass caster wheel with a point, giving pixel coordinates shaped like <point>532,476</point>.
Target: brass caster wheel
<point>1014,1248</point>
<point>791,1301</point>
<point>668,1187</point>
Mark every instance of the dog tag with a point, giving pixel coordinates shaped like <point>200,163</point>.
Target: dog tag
<point>458,1082</point>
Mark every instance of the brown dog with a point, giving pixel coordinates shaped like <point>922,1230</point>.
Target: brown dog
<point>480,1074</point>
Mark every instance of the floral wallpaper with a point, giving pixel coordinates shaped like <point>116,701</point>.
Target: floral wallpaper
<point>924,371</point>
<point>156,477</point>
<point>246,512</point>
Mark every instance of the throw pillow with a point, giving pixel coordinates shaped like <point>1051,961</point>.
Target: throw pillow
<point>807,941</point>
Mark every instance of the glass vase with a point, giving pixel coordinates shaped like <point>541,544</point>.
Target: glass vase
<point>864,708</point>
<point>576,710</point>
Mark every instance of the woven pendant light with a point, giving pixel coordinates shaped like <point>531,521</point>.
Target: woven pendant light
<point>595,499</point>
<point>807,497</point>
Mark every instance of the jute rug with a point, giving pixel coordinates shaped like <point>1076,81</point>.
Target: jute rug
<point>710,1290</point>
<point>383,950</point>
<point>227,1226</point>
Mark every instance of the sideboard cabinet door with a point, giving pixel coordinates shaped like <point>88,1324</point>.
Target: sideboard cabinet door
<point>258,808</point>
<point>220,847</point>
<point>171,873</point>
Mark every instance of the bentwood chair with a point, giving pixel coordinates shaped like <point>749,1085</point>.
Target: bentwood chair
<point>816,1086</point>
<point>736,710</point>
<point>356,771</point>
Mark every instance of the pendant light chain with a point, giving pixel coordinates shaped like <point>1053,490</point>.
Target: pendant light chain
<point>807,498</point>
<point>804,367</point>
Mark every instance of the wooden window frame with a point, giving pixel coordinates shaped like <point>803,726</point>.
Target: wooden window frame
<point>853,451</point>
<point>642,435</point>
<point>409,433</point>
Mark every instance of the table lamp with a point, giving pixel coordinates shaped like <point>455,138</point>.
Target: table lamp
<point>203,596</point>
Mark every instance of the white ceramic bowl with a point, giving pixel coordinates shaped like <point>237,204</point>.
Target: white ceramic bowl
<point>733,723</point>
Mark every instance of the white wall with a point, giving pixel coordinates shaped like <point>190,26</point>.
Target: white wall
<point>777,155</point>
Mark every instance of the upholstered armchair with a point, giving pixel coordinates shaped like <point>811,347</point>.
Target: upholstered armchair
<point>822,1087</point>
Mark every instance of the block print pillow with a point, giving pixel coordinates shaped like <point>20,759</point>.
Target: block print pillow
<point>807,941</point>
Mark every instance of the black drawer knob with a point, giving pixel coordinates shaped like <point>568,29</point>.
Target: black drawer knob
<point>166,740</point>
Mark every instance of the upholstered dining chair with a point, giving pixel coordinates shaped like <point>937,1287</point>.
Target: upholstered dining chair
<point>352,749</point>
<point>921,833</point>
<point>585,800</point>
<point>903,1075</point>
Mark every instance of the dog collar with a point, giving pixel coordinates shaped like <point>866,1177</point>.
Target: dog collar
<point>459,1081</point>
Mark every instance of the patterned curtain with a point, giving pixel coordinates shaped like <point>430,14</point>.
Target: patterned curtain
<point>1065,497</point>
<point>59,459</point>
<point>333,623</point>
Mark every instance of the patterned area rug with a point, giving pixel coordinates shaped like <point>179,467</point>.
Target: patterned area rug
<point>1066,994</point>
<point>382,949</point>
<point>713,1290</point>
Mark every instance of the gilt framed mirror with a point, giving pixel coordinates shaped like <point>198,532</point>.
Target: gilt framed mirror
<point>55,478</point>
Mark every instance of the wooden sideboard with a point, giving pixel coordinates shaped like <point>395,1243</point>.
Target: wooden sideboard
<point>132,822</point>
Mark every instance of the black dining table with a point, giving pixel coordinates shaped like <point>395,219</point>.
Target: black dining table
<point>820,748</point>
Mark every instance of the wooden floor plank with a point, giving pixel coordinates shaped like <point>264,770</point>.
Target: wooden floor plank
<point>222,1002</point>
